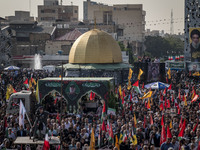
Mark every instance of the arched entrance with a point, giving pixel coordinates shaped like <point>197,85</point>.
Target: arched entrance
<point>75,88</point>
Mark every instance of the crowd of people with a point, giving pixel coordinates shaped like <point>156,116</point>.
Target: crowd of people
<point>166,120</point>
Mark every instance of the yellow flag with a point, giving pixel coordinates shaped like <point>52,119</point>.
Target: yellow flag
<point>129,85</point>
<point>116,142</point>
<point>120,91</point>
<point>30,84</point>
<point>134,140</point>
<point>140,73</point>
<point>92,140</point>
<point>130,73</point>
<point>169,73</point>
<point>135,121</point>
<point>185,102</point>
<point>9,91</point>
<point>196,74</point>
<point>33,81</point>
<point>120,139</point>
<point>37,93</point>
<point>147,95</point>
<point>170,125</point>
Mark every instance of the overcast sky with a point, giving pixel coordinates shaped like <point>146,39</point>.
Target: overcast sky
<point>158,12</point>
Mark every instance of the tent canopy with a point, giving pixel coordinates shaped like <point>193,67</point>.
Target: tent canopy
<point>157,85</point>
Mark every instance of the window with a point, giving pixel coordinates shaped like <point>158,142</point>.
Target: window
<point>42,11</point>
<point>75,11</point>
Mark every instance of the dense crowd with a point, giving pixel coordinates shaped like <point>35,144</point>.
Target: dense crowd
<point>137,124</point>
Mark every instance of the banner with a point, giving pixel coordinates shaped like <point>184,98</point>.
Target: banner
<point>153,72</point>
<point>194,34</point>
<point>176,65</point>
<point>193,66</point>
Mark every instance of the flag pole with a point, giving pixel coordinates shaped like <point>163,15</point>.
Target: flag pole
<point>28,120</point>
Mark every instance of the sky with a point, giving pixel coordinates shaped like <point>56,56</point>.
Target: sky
<point>158,12</point>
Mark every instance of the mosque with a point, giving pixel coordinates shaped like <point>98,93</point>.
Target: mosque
<point>96,54</point>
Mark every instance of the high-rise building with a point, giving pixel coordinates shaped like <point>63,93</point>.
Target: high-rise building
<point>130,19</point>
<point>51,11</point>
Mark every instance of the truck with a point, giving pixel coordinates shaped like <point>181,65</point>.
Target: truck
<point>14,102</point>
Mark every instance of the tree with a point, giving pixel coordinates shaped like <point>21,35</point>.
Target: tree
<point>162,47</point>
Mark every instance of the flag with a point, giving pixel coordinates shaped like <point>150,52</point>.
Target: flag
<point>180,123</point>
<point>120,138</point>
<point>172,98</point>
<point>116,142</point>
<point>111,135</point>
<point>33,81</point>
<point>195,98</point>
<point>9,91</point>
<point>148,104</point>
<point>26,83</point>
<point>129,85</point>
<point>103,126</point>
<point>134,140</point>
<point>162,120</point>
<point>37,92</point>
<point>147,95</point>
<point>193,92</point>
<point>161,106</point>
<point>170,87</point>
<point>22,112</point>
<point>30,84</point>
<point>143,85</point>
<point>92,95</point>
<point>130,73</point>
<point>181,133</point>
<point>136,87</point>
<point>58,118</point>
<point>120,91</point>
<point>169,73</point>
<point>195,127</point>
<point>168,104</point>
<point>170,125</point>
<point>103,112</point>
<point>92,140</point>
<point>199,145</point>
<point>169,135</point>
<point>165,103</point>
<point>196,74</point>
<point>135,121</point>
<point>165,91</point>
<point>151,119</point>
<point>163,135</point>
<point>140,73</point>
<point>46,145</point>
<point>185,100</point>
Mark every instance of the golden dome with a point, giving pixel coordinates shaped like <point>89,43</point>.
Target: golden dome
<point>95,46</point>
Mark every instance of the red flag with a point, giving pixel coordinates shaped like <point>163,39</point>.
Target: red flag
<point>195,98</point>
<point>131,97</point>
<point>168,104</point>
<point>144,124</point>
<point>46,145</point>
<point>180,123</point>
<point>199,146</point>
<point>124,93</point>
<point>179,110</point>
<point>170,87</point>
<point>181,133</point>
<point>103,128</point>
<point>195,127</point>
<point>165,91</point>
<point>166,79</point>
<point>92,96</point>
<point>151,119</point>
<point>131,107</point>
<point>165,102</point>
<point>58,118</point>
<point>162,120</point>
<point>169,135</point>
<point>183,99</point>
<point>143,85</point>
<point>55,101</point>
<point>161,106</point>
<point>163,135</point>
